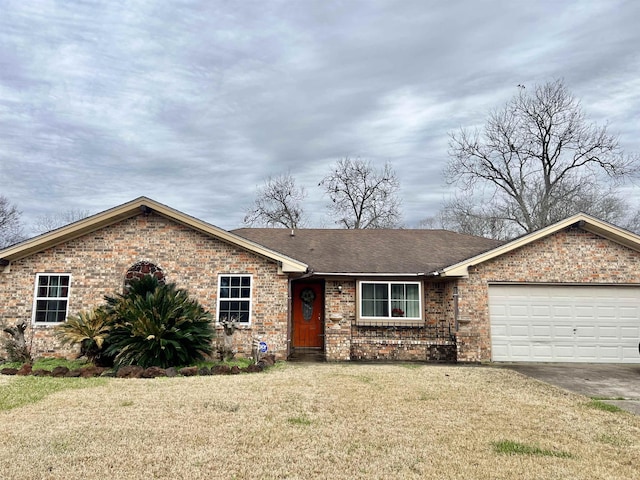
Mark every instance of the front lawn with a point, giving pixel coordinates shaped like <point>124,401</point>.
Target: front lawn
<point>315,421</point>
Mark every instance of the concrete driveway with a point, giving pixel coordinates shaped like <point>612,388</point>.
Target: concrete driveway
<point>606,381</point>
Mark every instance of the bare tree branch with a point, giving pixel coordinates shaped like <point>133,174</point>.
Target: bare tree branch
<point>277,204</point>
<point>46,223</point>
<point>361,196</point>
<point>11,230</point>
<point>537,160</point>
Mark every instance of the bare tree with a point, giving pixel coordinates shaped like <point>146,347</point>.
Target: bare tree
<point>46,223</point>
<point>361,196</point>
<point>462,215</point>
<point>536,161</point>
<point>10,225</point>
<point>278,203</point>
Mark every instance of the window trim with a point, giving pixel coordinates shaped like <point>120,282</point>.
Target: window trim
<point>219,299</point>
<point>34,309</point>
<point>390,320</point>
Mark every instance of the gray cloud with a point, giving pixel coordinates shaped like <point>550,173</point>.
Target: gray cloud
<point>195,103</point>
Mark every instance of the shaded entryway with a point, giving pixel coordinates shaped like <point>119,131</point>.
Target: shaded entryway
<point>307,320</point>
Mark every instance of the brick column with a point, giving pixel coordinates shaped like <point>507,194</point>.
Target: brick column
<point>337,339</point>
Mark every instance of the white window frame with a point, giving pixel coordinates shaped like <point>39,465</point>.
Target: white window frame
<point>239,299</point>
<point>391,320</point>
<point>37,298</point>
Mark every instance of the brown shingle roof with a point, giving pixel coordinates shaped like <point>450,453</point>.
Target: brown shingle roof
<point>371,251</point>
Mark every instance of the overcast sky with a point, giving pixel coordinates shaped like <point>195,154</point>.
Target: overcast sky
<point>195,103</point>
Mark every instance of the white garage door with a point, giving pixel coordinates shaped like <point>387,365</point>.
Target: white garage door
<point>551,323</point>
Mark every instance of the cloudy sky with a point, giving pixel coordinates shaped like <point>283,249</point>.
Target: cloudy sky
<point>194,103</point>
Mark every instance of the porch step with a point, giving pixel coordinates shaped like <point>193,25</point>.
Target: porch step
<point>313,355</point>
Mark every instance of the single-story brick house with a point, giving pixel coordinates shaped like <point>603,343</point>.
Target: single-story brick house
<point>569,292</point>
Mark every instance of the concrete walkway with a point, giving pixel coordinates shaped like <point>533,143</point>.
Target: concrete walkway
<point>618,384</point>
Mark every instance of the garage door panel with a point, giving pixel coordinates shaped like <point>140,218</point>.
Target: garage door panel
<point>565,323</point>
<point>538,331</point>
<point>611,353</point>
<point>585,333</point>
<point>628,313</point>
<point>584,312</point>
<point>630,332</point>
<point>629,353</point>
<point>605,312</point>
<point>606,332</point>
<point>563,353</point>
<point>562,332</point>
<point>542,351</point>
<point>520,351</point>
<point>561,311</point>
<point>519,331</point>
<point>518,311</point>
<point>540,311</point>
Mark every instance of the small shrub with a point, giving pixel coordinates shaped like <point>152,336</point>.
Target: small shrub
<point>90,330</point>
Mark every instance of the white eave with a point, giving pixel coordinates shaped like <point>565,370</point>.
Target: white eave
<point>584,221</point>
<point>365,274</point>
<point>131,209</point>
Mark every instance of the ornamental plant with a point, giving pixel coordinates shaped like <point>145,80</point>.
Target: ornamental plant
<point>88,329</point>
<point>154,324</point>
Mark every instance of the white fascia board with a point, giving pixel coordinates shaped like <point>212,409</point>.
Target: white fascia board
<point>361,274</point>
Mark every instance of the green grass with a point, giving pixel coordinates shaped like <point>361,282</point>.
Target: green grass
<point>20,391</point>
<point>412,366</point>
<point>239,362</point>
<point>509,447</point>
<point>615,440</point>
<point>49,364</point>
<point>600,405</point>
<point>302,420</point>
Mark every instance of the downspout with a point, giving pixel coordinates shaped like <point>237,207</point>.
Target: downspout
<point>289,316</point>
<point>456,313</point>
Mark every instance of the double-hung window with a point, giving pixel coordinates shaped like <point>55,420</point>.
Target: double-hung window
<point>234,298</point>
<point>51,299</point>
<point>390,301</point>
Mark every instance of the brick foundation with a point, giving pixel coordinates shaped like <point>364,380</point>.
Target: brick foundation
<point>402,350</point>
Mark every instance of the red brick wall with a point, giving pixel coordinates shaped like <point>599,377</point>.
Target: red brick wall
<point>99,261</point>
<point>340,313</point>
<point>344,340</point>
<point>572,256</point>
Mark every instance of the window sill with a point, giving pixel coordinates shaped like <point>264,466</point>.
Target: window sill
<point>390,322</point>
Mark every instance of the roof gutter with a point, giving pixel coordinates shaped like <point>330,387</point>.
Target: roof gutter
<point>361,274</point>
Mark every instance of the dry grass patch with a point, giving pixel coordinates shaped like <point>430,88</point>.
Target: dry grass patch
<point>318,421</point>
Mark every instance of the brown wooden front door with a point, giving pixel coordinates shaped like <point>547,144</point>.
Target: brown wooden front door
<point>308,315</point>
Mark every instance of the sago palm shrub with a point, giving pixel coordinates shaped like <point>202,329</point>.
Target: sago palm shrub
<point>89,330</point>
<point>159,325</point>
